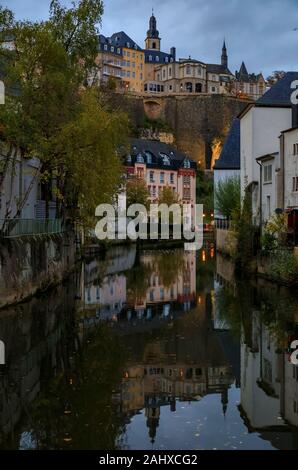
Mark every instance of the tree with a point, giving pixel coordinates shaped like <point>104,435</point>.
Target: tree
<point>228,197</point>
<point>275,77</point>
<point>168,196</point>
<point>71,130</point>
<point>137,192</point>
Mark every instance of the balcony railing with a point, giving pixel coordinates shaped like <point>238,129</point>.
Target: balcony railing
<point>29,227</point>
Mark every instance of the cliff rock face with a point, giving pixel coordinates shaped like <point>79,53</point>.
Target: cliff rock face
<point>198,122</point>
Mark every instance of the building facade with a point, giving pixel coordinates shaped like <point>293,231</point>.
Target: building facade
<point>249,84</point>
<point>120,60</point>
<point>163,166</point>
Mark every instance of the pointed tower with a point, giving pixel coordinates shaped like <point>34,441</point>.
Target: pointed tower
<point>224,56</point>
<point>152,41</point>
<point>243,71</point>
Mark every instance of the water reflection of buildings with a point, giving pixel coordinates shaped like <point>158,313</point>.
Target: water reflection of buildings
<point>185,363</point>
<point>114,294</point>
<point>269,381</point>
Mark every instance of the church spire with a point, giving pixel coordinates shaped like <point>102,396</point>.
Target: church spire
<point>152,40</point>
<point>224,55</point>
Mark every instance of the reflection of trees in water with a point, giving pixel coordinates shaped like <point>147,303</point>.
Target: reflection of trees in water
<point>276,305</point>
<point>168,265</point>
<point>76,408</point>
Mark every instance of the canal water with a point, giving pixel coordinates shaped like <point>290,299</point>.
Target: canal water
<point>151,350</point>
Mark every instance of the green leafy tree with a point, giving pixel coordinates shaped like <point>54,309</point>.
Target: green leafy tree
<point>228,197</point>
<point>74,133</point>
<point>137,192</point>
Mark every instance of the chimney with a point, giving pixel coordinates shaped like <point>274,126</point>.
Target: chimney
<point>294,115</point>
<point>173,52</point>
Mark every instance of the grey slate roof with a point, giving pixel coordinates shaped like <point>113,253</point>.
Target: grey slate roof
<point>217,68</point>
<point>161,56</point>
<point>280,93</point>
<point>155,147</point>
<point>230,155</point>
<point>120,39</point>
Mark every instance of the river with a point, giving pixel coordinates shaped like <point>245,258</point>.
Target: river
<point>151,350</point>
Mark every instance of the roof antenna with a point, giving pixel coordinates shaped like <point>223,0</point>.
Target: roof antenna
<point>152,11</point>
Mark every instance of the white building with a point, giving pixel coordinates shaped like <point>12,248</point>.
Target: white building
<point>22,197</point>
<point>261,124</point>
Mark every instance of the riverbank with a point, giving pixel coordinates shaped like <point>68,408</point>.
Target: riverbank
<point>30,266</point>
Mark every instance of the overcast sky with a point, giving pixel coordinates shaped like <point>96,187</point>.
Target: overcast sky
<point>260,32</point>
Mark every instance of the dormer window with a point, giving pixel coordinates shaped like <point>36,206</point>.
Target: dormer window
<point>128,158</point>
<point>157,58</point>
<point>165,159</point>
<point>148,157</point>
<point>186,163</point>
<point>150,58</point>
<point>112,48</point>
<point>105,47</point>
<point>167,59</point>
<point>140,158</point>
<point>128,45</point>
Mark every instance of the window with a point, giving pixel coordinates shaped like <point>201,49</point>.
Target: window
<point>141,76</point>
<point>151,174</point>
<point>213,89</point>
<point>134,64</point>
<point>128,158</point>
<point>267,173</point>
<point>112,48</point>
<point>166,160</point>
<point>295,184</point>
<point>154,45</point>
<point>186,179</point>
<point>186,193</point>
<point>186,163</point>
<point>105,47</point>
<point>148,156</point>
<point>172,178</point>
<point>133,74</point>
<point>162,177</point>
<point>157,58</point>
<point>295,149</point>
<point>167,59</point>
<point>128,73</point>
<point>170,71</point>
<point>188,70</point>
<point>118,50</point>
<point>268,206</point>
<point>128,63</point>
<point>133,55</point>
<point>164,73</point>
<point>150,58</point>
<point>140,158</point>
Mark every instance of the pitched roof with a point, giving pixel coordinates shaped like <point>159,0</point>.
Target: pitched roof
<point>230,155</point>
<point>243,69</point>
<point>218,68</point>
<point>280,93</point>
<point>156,148</point>
<point>120,39</point>
<point>161,56</point>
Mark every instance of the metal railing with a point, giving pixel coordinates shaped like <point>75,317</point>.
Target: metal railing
<point>28,227</point>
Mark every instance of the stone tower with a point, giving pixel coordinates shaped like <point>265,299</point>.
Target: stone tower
<point>152,41</point>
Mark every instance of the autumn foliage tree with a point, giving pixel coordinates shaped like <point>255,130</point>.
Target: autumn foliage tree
<point>50,112</point>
